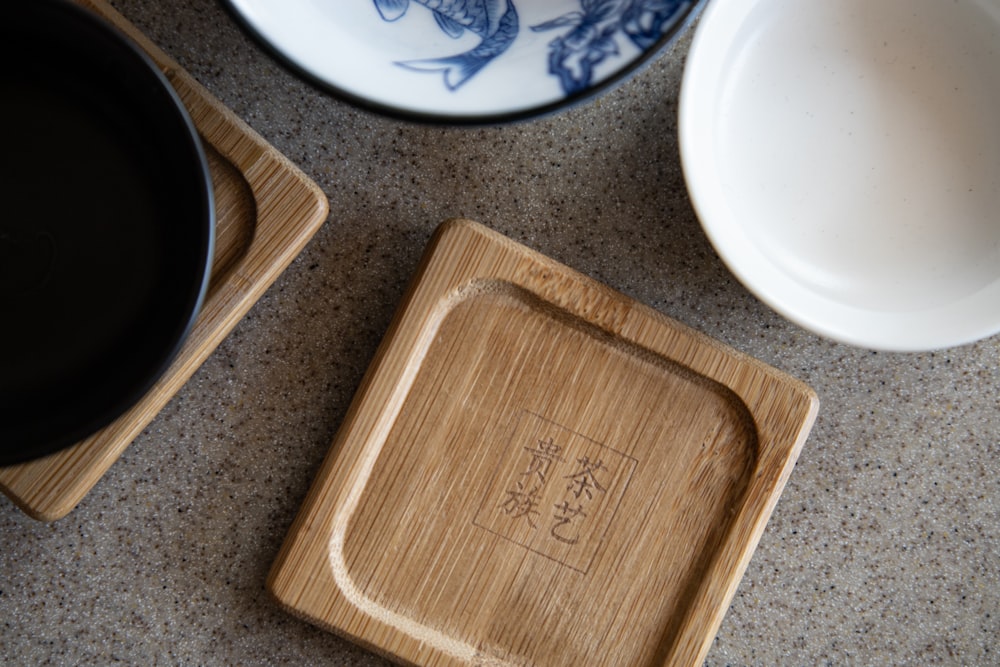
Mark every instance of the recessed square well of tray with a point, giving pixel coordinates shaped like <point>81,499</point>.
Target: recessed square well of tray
<point>540,471</point>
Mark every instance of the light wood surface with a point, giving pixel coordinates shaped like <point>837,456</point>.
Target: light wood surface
<point>267,210</point>
<point>537,470</point>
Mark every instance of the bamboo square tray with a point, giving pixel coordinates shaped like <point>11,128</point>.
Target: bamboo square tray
<point>537,470</point>
<point>266,211</point>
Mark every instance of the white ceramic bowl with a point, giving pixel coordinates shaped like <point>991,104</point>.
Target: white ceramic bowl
<point>844,159</point>
<point>465,61</point>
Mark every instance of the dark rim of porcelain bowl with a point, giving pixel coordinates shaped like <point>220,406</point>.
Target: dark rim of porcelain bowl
<point>107,229</point>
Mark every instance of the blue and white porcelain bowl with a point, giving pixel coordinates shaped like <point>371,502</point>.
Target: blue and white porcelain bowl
<point>465,61</point>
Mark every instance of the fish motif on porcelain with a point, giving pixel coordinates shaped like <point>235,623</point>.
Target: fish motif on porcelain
<point>588,37</point>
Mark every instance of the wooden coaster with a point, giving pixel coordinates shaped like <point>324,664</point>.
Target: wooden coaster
<point>266,209</point>
<point>538,470</point>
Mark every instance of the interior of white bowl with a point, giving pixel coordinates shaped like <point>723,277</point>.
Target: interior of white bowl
<point>844,159</point>
<point>453,60</point>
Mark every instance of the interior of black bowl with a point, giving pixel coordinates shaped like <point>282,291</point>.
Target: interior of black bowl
<point>106,230</point>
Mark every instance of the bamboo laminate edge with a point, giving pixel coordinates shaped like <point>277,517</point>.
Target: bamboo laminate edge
<point>267,210</point>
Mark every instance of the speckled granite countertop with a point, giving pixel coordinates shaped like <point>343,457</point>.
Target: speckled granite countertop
<point>884,549</point>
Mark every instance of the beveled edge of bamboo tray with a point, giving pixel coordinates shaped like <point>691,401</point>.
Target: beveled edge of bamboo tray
<point>290,209</point>
<point>301,569</point>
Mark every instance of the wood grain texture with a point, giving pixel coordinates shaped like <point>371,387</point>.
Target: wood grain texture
<point>266,210</point>
<point>537,470</point>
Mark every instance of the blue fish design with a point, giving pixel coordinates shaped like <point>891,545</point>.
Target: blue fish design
<point>592,34</point>
<point>647,20</point>
<point>495,21</point>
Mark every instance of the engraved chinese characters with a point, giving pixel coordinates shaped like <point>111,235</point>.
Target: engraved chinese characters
<point>555,492</point>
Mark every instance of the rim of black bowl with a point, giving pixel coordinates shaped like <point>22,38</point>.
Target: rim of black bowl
<point>478,120</point>
<point>43,433</point>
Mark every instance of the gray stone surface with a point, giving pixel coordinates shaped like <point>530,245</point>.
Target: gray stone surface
<point>884,548</point>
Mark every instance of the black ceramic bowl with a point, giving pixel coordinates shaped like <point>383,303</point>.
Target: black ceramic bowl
<point>106,226</point>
